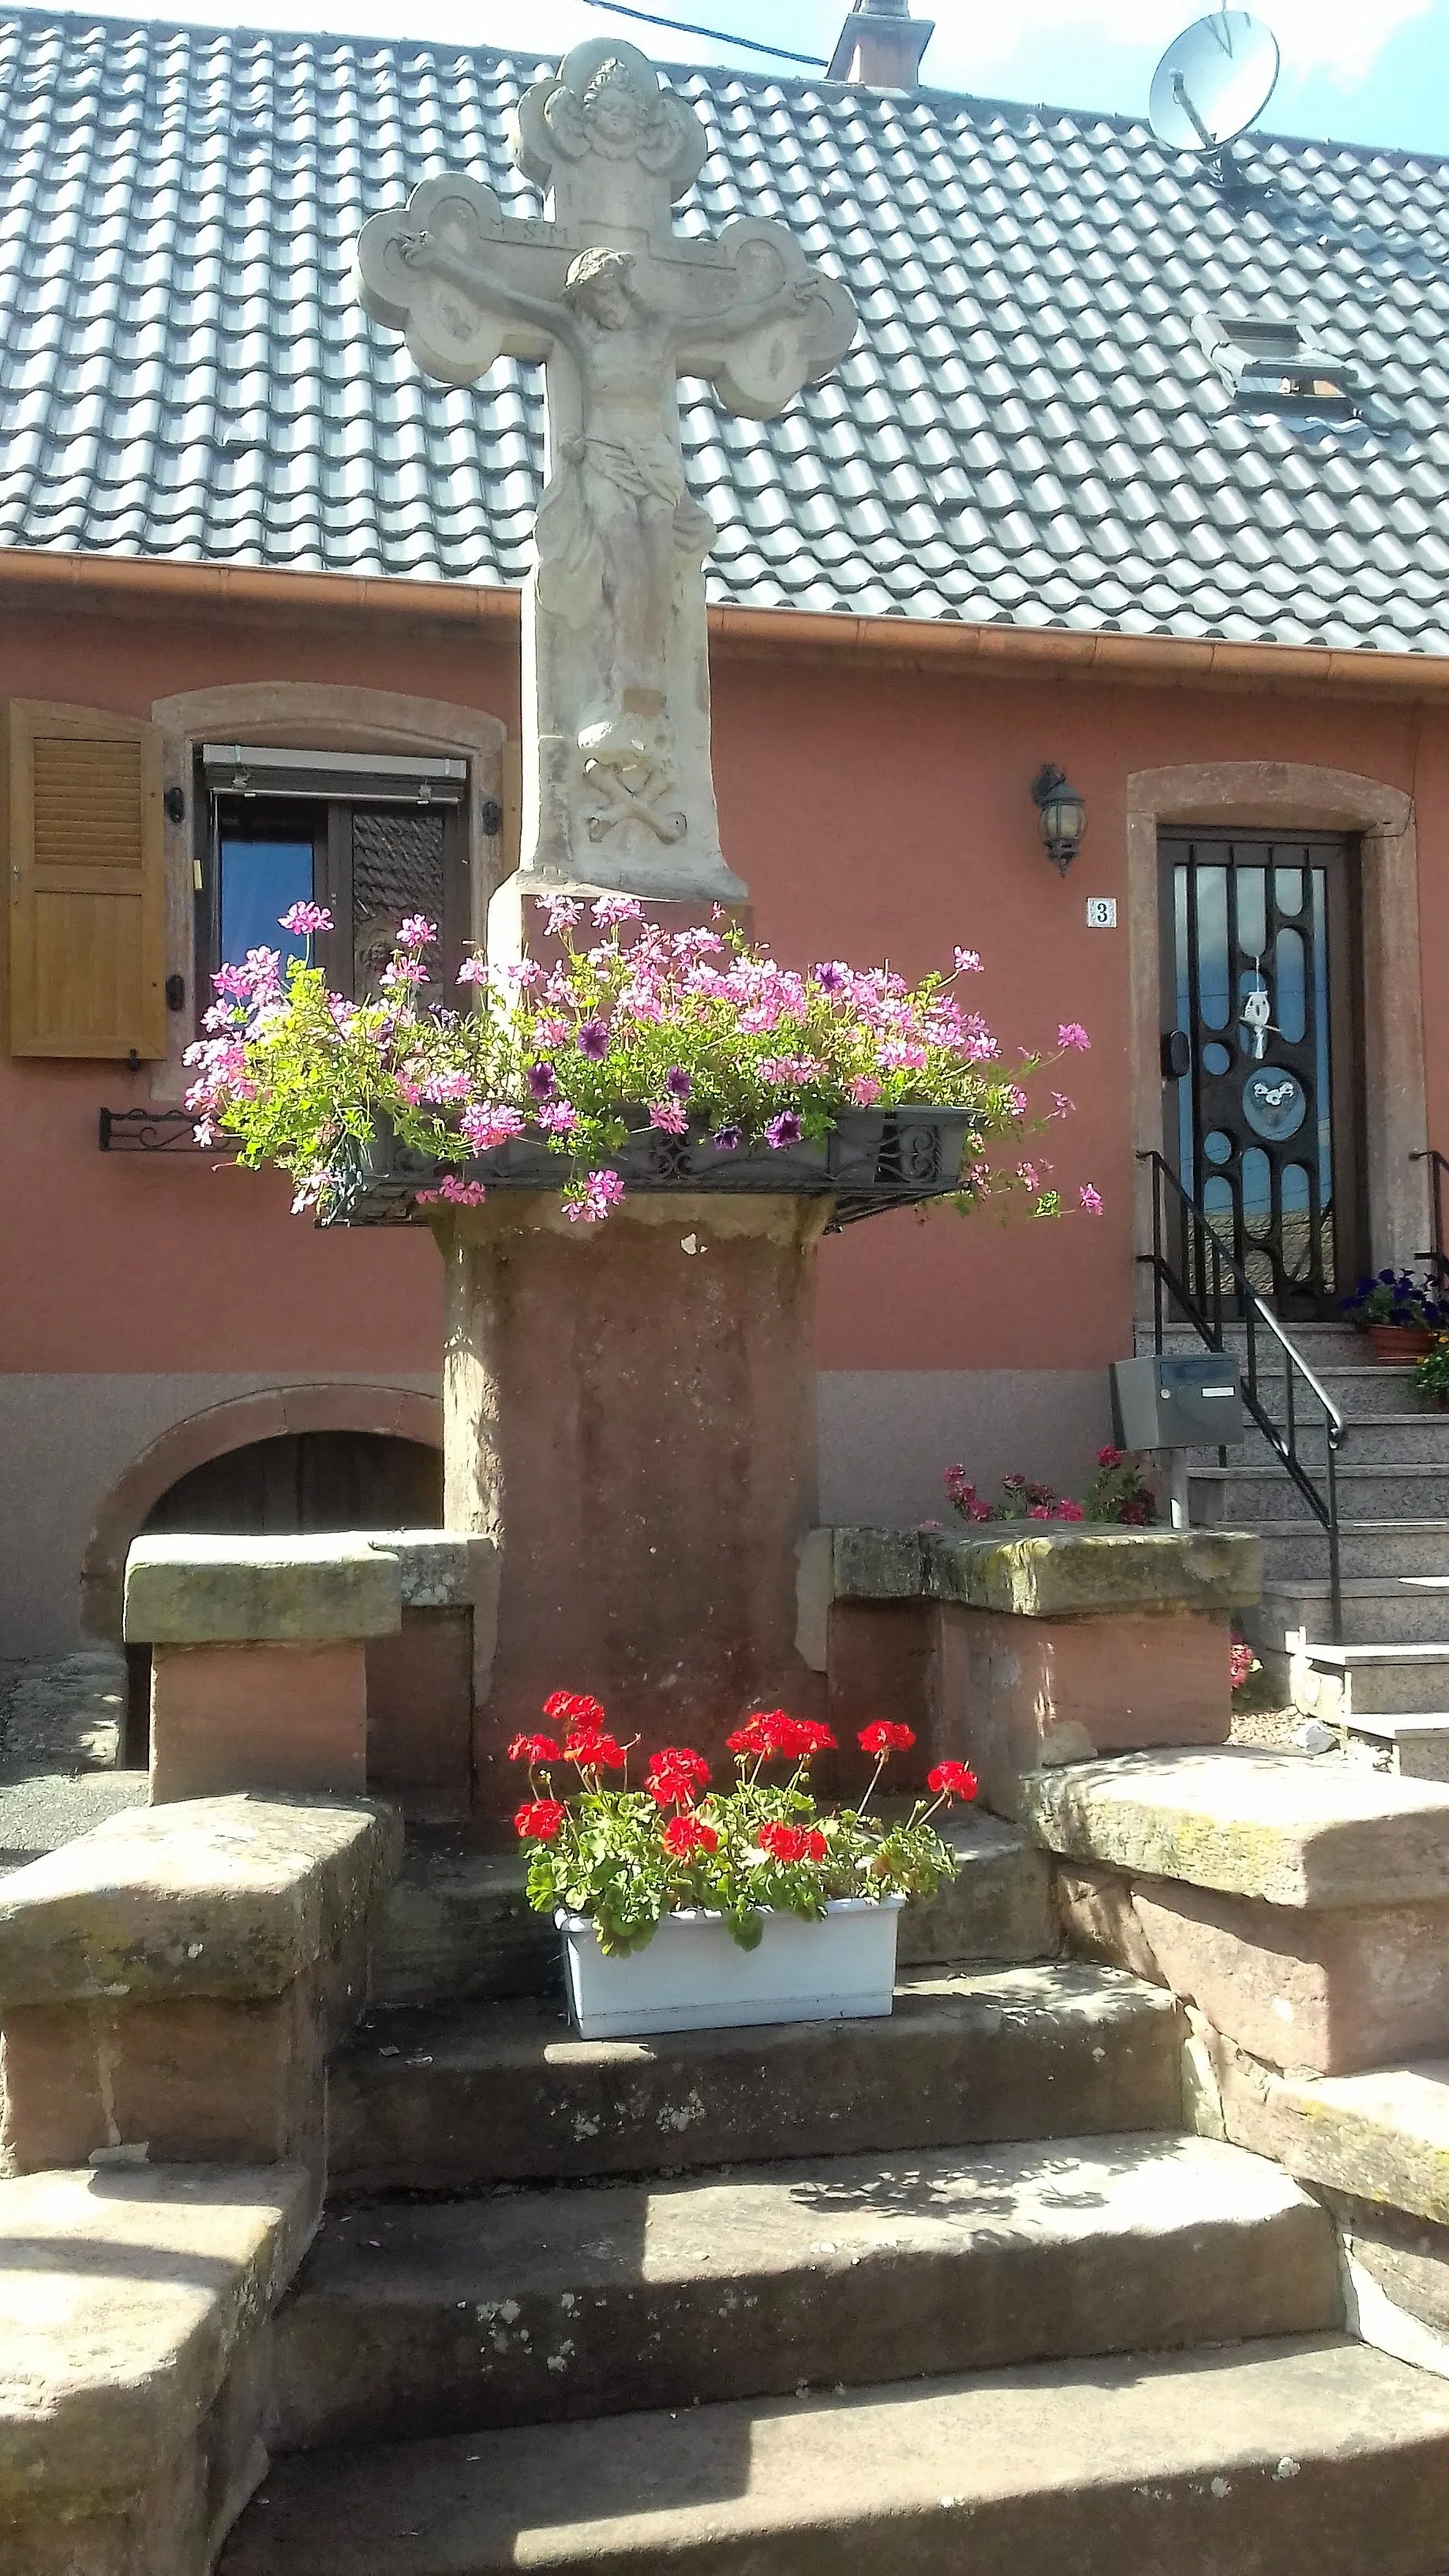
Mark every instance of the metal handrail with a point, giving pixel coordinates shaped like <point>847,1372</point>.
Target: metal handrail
<point>1210,1259</point>
<point>1438,1254</point>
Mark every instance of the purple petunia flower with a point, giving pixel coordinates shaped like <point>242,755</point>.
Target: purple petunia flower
<point>542,1081</point>
<point>594,1041</point>
<point>784,1130</point>
<point>728,1140</point>
<point>677,1083</point>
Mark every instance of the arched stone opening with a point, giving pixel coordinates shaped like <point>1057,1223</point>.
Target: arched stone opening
<point>292,1451</point>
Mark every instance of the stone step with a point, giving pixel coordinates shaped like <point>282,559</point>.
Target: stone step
<point>459,1928</point>
<point>1322,1345</point>
<point>1318,2457</point>
<point>1243,1497</point>
<point>1413,1742</point>
<point>1376,1440</point>
<point>456,2101</point>
<point>1404,1609</point>
<point>1343,1682</point>
<point>541,2306</point>
<point>1370,1551</point>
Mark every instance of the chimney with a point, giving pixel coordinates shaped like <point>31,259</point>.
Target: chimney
<point>881,44</point>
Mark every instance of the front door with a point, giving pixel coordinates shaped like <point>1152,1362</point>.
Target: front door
<point>1263,1112</point>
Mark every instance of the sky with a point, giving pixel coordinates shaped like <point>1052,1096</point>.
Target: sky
<point>1361,71</point>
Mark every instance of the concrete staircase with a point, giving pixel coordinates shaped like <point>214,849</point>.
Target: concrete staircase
<point>951,2290</point>
<point>1388,1677</point>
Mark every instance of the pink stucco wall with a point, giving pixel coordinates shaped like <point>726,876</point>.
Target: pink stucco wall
<point>876,810</point>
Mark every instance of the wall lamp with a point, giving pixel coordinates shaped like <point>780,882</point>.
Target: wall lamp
<point>1063,815</point>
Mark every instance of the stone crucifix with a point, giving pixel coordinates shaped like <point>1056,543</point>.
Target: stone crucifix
<point>618,791</point>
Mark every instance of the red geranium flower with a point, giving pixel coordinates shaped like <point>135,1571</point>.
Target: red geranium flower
<point>684,1836</point>
<point>542,1820</point>
<point>813,1737</point>
<point>953,1780</point>
<point>594,1752</point>
<point>775,1736</point>
<point>569,1708</point>
<point>793,1842</point>
<point>533,1748</point>
<point>885,1737</point>
<point>677,1776</point>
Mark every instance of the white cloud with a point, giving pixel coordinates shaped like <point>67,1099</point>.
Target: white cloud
<point>1341,37</point>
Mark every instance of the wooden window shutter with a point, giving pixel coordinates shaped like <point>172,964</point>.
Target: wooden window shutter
<point>87,891</point>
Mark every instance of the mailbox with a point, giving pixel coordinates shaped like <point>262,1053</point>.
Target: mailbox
<point>1177,1402</point>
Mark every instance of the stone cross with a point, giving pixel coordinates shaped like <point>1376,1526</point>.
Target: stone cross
<point>617,786</point>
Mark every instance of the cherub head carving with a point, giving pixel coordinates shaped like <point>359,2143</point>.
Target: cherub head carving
<point>606,103</point>
<point>613,109</point>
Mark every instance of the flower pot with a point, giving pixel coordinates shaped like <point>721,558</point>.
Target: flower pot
<point>870,1161</point>
<point>1400,1341</point>
<point>692,1976</point>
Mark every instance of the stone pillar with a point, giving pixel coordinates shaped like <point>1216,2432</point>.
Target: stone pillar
<point>630,1417</point>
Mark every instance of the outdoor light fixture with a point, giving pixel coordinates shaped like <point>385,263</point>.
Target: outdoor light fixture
<point>1063,816</point>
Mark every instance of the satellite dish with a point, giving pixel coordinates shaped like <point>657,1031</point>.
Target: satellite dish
<point>1213,83</point>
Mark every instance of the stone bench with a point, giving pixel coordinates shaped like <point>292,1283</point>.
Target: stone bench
<point>342,1663</point>
<point>171,1984</point>
<point>1301,1904</point>
<point>1023,1646</point>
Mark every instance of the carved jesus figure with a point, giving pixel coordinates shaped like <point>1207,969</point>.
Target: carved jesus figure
<point>617,507</point>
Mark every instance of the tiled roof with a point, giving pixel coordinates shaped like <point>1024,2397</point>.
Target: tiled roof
<point>1037,426</point>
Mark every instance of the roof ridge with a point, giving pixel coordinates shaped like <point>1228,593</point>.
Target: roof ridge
<point>751,75</point>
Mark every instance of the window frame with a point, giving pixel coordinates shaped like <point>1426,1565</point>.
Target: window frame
<point>327,820</point>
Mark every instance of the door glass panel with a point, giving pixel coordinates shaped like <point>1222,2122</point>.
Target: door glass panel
<point>1214,981</point>
<point>1251,887</point>
<point>260,880</point>
<point>1291,993</point>
<point>1257,1189</point>
<point>1288,889</point>
<point>397,869</point>
<point>1216,1059</point>
<point>1218,1147</point>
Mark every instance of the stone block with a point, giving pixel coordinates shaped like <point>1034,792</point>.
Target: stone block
<point>881,1660</point>
<point>1014,1694</point>
<point>262,1716</point>
<point>420,1714</point>
<point>172,1984</point>
<point>1404,2255</point>
<point>1281,1827</point>
<point>1070,1573</point>
<point>134,2361</point>
<point>1327,1990</point>
<point>229,1896</point>
<point>437,1569</point>
<point>186,1590</point>
<point>1381,2136</point>
<point>200,2080</point>
<point>997,1908</point>
<point>1099,1921</point>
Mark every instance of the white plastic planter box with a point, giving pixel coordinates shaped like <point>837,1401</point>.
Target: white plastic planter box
<point>692,1976</point>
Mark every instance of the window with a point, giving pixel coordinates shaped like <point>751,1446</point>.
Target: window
<point>1270,366</point>
<point>371,838</point>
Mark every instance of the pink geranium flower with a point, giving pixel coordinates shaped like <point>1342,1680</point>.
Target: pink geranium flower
<point>1072,1034</point>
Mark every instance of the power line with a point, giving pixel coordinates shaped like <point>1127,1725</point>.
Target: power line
<point>682,27</point>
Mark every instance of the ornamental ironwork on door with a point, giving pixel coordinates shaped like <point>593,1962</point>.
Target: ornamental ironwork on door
<point>1260,1055</point>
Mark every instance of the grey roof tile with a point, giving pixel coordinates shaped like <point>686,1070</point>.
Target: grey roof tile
<point>1028,430</point>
